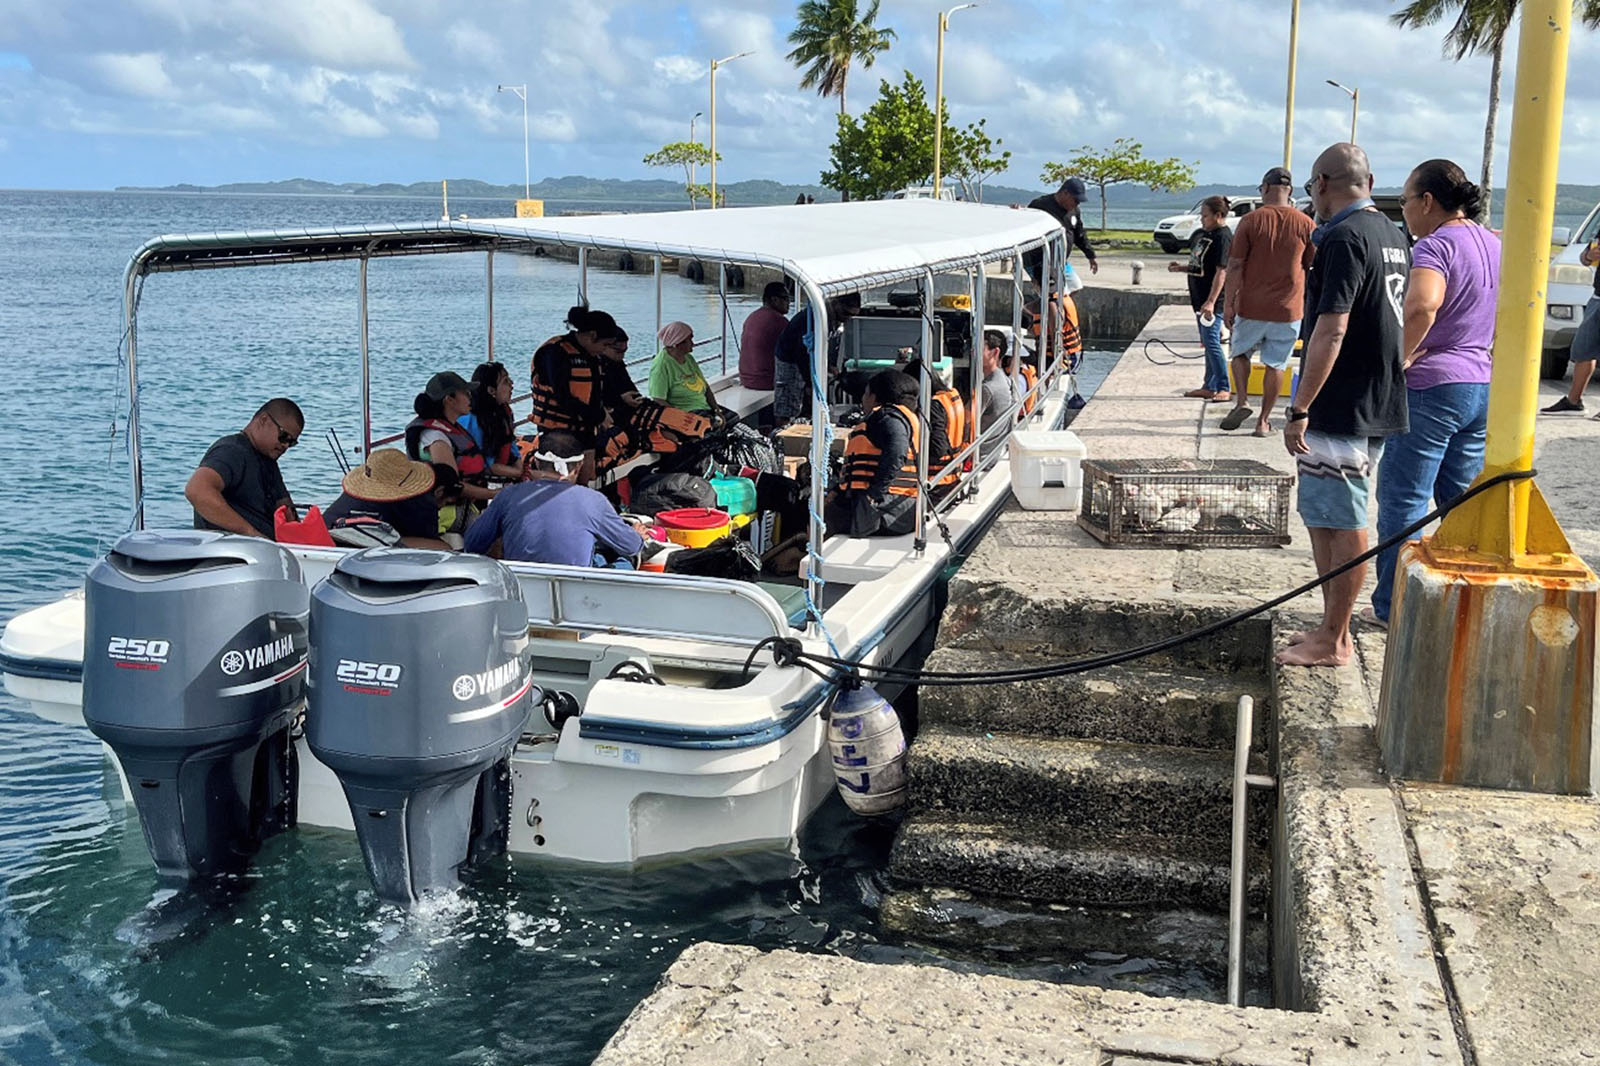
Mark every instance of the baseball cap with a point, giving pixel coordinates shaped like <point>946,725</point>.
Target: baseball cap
<point>1277,176</point>
<point>1075,188</point>
<point>444,383</point>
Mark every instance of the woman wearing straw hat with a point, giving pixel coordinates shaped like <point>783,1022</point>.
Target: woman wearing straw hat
<point>389,499</point>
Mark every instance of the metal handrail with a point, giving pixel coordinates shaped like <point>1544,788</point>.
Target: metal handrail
<point>1243,780</point>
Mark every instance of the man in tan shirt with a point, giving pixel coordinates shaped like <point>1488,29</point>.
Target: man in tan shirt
<point>1266,294</point>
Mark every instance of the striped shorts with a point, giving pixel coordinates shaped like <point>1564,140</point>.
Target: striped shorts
<point>1335,479</point>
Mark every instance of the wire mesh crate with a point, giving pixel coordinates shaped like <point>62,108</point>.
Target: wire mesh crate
<point>1217,503</point>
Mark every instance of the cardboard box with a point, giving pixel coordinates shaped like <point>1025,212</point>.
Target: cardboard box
<point>795,440</point>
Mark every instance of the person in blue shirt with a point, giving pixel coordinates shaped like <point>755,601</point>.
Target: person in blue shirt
<point>552,519</point>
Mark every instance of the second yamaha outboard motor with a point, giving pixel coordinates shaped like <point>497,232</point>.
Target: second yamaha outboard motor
<point>420,688</point>
<point>194,664</point>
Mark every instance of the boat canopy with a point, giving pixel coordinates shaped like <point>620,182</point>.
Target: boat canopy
<point>837,247</point>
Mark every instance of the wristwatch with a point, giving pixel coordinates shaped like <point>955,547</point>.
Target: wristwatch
<point>1297,415</point>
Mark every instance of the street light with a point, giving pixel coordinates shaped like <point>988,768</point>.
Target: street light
<point>1355,104</point>
<point>938,95</point>
<point>522,94</point>
<point>1288,103</point>
<point>693,140</point>
<point>715,63</point>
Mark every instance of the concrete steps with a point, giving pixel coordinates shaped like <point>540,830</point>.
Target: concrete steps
<point>1005,618</point>
<point>1056,942</point>
<point>1056,864</point>
<point>1132,703</point>
<point>1113,787</point>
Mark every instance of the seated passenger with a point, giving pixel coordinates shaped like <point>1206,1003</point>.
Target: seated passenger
<point>998,399</point>
<point>237,487</point>
<point>436,434</point>
<point>1029,378</point>
<point>566,377</point>
<point>551,519</point>
<point>877,492</point>
<point>391,492</point>
<point>947,427</point>
<point>639,425</point>
<point>675,377</point>
<point>491,421</point>
<point>758,339</point>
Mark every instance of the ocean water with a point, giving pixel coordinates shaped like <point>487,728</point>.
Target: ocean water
<point>298,961</point>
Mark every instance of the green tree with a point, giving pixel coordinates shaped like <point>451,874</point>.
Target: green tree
<point>1479,27</point>
<point>828,37</point>
<point>688,155</point>
<point>1124,163</point>
<point>972,158</point>
<point>888,147</point>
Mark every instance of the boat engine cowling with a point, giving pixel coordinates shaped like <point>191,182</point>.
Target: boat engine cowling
<point>194,666</point>
<point>420,687</point>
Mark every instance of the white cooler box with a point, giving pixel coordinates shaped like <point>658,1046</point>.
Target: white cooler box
<point>1047,469</point>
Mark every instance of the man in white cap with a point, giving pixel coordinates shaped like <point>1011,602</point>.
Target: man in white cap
<point>552,519</point>
<point>389,499</point>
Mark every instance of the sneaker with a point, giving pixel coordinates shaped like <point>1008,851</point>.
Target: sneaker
<point>1562,405</point>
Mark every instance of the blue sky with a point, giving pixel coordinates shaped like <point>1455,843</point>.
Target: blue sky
<point>153,92</point>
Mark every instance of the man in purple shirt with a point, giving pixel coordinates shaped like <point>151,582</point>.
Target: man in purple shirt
<point>759,338</point>
<point>553,519</point>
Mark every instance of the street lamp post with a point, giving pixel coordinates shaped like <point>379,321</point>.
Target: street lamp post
<point>1355,105</point>
<point>1288,104</point>
<point>715,63</point>
<point>938,96</point>
<point>693,140</point>
<point>522,94</point>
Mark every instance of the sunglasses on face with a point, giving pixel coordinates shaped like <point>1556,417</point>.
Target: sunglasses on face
<point>285,438</point>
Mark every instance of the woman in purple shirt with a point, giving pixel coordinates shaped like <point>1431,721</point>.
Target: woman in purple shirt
<point>1449,335</point>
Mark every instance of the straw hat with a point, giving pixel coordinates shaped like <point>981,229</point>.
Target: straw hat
<point>387,476</point>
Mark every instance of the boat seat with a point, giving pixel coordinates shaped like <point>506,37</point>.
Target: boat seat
<point>740,400</point>
<point>853,560</point>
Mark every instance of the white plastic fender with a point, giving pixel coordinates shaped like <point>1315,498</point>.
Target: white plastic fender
<point>869,751</point>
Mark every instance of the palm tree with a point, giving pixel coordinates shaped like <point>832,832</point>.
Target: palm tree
<point>1480,26</point>
<point>830,36</point>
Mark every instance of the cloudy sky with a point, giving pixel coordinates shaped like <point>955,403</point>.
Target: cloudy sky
<point>161,91</point>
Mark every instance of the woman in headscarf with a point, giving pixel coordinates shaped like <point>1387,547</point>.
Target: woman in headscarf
<point>675,377</point>
<point>1449,336</point>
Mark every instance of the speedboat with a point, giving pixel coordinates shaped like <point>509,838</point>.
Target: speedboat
<point>722,749</point>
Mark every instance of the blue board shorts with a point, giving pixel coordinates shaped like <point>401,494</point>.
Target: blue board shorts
<point>1586,342</point>
<point>1275,340</point>
<point>1335,479</point>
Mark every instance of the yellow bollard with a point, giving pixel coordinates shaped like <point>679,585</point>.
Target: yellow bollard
<point>1489,673</point>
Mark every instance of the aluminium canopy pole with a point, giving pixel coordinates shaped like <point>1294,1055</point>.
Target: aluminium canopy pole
<point>919,540</point>
<point>130,315</point>
<point>821,420</point>
<point>488,300</point>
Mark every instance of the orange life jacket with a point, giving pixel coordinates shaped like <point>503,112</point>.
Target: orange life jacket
<point>956,433</point>
<point>470,462</point>
<point>583,388</point>
<point>651,427</point>
<point>1030,378</point>
<point>861,457</point>
<point>1069,339</point>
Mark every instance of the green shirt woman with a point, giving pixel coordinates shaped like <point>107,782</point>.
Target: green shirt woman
<point>675,377</point>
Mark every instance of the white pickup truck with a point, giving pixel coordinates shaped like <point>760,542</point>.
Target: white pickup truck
<point>1571,286</point>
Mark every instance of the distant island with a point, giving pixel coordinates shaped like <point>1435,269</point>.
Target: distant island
<point>1570,199</point>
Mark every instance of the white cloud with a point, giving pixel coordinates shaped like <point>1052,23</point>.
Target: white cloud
<point>141,75</point>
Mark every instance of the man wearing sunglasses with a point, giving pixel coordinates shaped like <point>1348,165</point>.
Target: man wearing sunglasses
<point>237,487</point>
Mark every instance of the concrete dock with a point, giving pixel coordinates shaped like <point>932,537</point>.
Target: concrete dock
<point>1415,924</point>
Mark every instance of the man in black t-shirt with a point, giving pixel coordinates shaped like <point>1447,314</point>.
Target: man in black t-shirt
<point>1062,205</point>
<point>1352,389</point>
<point>237,487</point>
<point>392,489</point>
<point>1208,272</point>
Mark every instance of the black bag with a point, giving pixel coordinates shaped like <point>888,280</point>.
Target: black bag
<point>670,492</point>
<point>729,557</point>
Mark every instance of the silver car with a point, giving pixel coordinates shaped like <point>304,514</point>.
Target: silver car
<point>1571,286</point>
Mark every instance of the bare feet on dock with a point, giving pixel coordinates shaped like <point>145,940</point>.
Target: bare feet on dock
<point>1317,647</point>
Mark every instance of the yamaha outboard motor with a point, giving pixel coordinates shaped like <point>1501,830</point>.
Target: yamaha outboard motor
<point>420,688</point>
<point>194,666</point>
